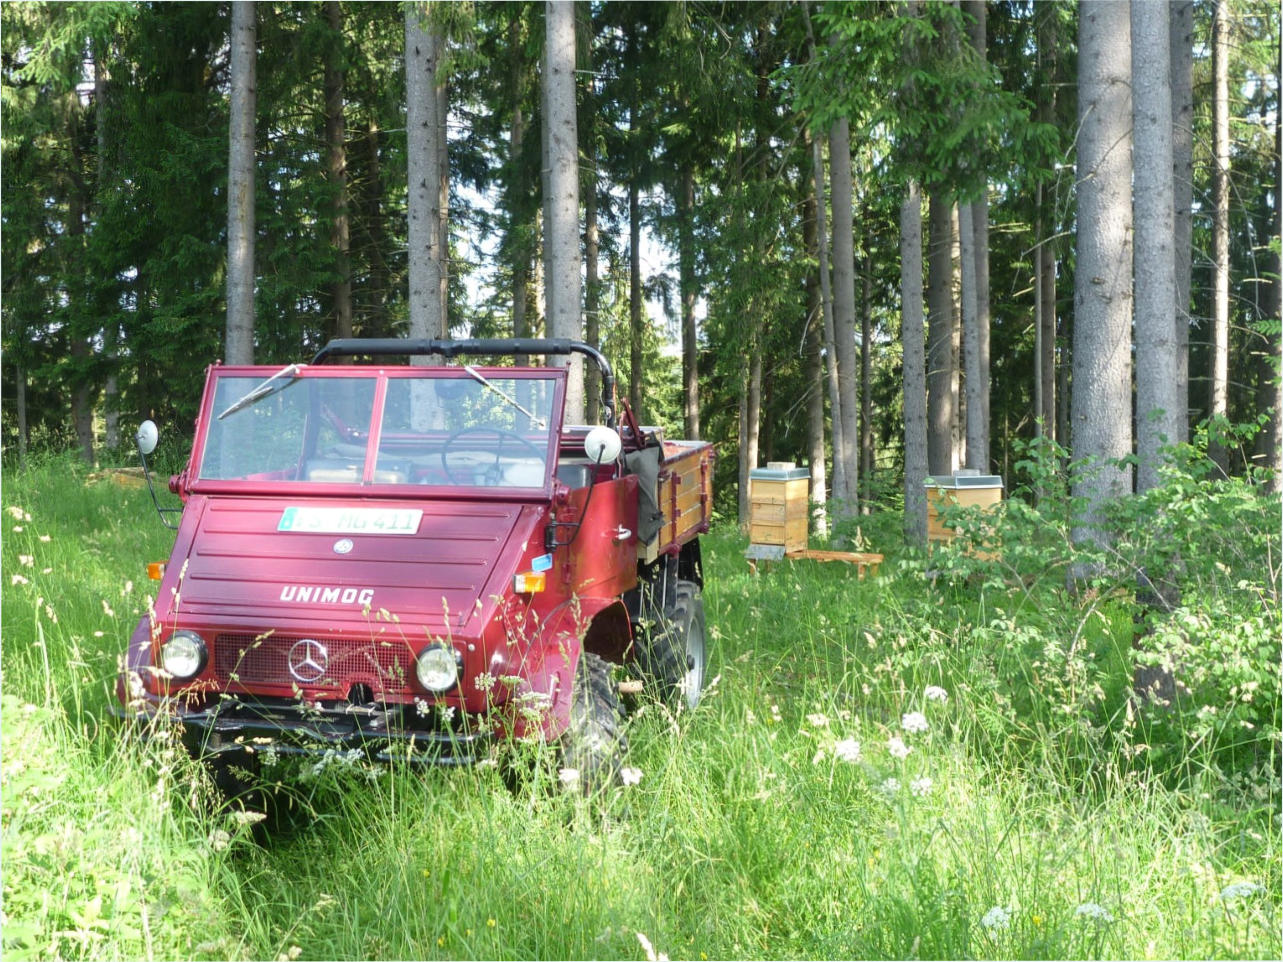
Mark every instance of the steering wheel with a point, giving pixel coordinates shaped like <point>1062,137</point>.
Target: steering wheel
<point>493,473</point>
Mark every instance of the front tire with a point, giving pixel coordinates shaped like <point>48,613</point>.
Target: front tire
<point>594,743</point>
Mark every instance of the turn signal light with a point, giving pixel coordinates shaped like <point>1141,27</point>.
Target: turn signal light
<point>156,570</point>
<point>529,583</point>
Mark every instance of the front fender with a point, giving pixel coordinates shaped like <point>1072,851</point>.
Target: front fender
<point>544,689</point>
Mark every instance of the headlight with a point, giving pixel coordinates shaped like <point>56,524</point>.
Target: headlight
<point>183,655</point>
<point>437,668</point>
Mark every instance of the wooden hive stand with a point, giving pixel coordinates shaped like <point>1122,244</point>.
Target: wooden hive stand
<point>779,504</point>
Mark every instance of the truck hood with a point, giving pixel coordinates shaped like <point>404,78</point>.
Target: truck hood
<point>325,565</point>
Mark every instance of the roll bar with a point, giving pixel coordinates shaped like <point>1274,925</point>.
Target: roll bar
<point>418,347</point>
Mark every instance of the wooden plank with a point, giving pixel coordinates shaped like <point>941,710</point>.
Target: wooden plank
<point>860,559</point>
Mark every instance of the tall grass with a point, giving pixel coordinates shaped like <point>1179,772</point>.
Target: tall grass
<point>782,819</point>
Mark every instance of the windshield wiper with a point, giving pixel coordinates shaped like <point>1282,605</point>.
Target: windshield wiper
<point>270,386</point>
<point>536,421</point>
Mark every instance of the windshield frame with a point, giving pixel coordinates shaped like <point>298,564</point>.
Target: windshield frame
<point>382,376</point>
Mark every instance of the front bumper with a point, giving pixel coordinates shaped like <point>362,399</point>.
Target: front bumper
<point>392,733</point>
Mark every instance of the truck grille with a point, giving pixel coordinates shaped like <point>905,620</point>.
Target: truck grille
<point>250,660</point>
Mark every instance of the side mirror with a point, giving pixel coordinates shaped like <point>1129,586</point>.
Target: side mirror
<point>147,437</point>
<point>602,445</point>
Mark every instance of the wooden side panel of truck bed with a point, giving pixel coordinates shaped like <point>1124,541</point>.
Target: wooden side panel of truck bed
<point>684,495</point>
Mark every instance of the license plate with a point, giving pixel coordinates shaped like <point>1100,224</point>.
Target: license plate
<point>351,520</point>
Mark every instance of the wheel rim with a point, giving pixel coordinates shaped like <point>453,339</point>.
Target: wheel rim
<point>692,684</point>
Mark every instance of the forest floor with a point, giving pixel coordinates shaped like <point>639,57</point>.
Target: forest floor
<point>899,767</point>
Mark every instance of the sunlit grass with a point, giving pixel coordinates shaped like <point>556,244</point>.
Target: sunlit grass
<point>876,772</point>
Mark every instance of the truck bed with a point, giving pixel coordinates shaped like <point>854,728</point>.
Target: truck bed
<point>684,494</point>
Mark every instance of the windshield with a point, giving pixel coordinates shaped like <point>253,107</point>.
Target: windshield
<point>453,428</point>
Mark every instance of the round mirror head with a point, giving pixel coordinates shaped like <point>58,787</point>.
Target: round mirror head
<point>147,437</point>
<point>602,444</point>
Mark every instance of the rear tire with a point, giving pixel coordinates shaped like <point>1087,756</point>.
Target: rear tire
<point>675,656</point>
<point>594,743</point>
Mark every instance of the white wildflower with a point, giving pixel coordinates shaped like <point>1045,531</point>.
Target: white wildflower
<point>897,747</point>
<point>997,918</point>
<point>45,538</point>
<point>630,776</point>
<point>921,787</point>
<point>421,707</point>
<point>935,693</point>
<point>817,720</point>
<point>651,954</point>
<point>1090,910</point>
<point>484,681</point>
<point>890,787</point>
<point>914,722</point>
<point>18,580</point>
<point>1240,890</point>
<point>569,776</point>
<point>245,817</point>
<point>847,750</point>
<point>26,560</point>
<point>219,840</point>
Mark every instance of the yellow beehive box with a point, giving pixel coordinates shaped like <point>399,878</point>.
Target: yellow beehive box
<point>779,505</point>
<point>965,489</point>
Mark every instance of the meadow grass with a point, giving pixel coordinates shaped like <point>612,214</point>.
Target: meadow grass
<point>885,768</point>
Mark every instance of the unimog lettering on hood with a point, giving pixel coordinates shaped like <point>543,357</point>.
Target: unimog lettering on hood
<point>327,595</point>
<point>364,548</point>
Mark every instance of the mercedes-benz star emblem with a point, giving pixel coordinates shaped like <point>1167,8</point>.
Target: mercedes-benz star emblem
<point>343,546</point>
<point>308,660</point>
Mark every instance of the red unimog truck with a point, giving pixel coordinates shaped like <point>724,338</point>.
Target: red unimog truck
<point>410,562</point>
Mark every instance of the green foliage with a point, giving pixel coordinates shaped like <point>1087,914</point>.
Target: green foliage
<point>949,119</point>
<point>1187,596</point>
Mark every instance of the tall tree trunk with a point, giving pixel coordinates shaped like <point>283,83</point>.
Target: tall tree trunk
<point>592,235</point>
<point>940,414</point>
<point>977,430</point>
<point>866,381</point>
<point>374,315</point>
<point>978,393</point>
<point>814,362</point>
<point>1048,325</point>
<point>1219,406</point>
<point>518,237</point>
<point>592,288</point>
<point>239,347</point>
<point>750,424</point>
<point>425,163</point>
<point>690,333</point>
<point>1101,395</point>
<point>959,427</point>
<point>826,295</point>
<point>441,209</point>
<point>1270,397</point>
<point>916,460</point>
<point>1047,34</point>
<point>635,314</point>
<point>561,239</point>
<point>1181,43</point>
<point>103,304</point>
<point>844,314</point>
<point>826,304</point>
<point>336,172</point>
<point>1157,413</point>
<point>82,393</point>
